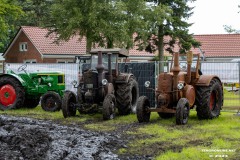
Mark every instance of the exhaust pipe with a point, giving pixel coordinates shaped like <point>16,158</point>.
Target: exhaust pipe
<point>176,69</point>
<point>189,64</point>
<point>110,67</point>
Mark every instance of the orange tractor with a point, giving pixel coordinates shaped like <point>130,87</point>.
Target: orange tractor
<point>181,89</point>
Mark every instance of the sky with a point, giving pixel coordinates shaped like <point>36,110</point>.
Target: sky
<point>210,15</point>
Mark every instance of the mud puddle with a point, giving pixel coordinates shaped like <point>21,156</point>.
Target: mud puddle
<point>26,138</point>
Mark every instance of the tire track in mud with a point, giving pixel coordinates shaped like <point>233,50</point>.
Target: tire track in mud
<point>26,138</point>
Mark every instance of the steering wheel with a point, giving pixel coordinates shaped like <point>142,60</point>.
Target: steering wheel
<point>22,67</point>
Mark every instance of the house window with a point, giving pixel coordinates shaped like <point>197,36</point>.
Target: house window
<point>23,46</point>
<point>30,61</point>
<point>65,61</point>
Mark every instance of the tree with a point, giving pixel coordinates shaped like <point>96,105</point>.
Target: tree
<point>9,14</point>
<point>229,29</point>
<point>172,24</point>
<point>36,12</point>
<point>108,23</point>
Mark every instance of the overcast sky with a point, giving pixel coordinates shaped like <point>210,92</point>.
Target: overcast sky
<point>210,16</point>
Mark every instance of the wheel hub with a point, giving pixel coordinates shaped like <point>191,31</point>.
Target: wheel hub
<point>7,95</point>
<point>50,102</point>
<point>212,101</point>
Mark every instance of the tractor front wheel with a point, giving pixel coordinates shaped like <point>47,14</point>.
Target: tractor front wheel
<point>182,112</point>
<point>209,100</point>
<point>109,107</point>
<point>143,115</point>
<point>51,101</point>
<point>12,93</point>
<point>126,97</point>
<point>68,104</point>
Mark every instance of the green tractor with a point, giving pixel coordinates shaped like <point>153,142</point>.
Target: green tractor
<point>26,89</point>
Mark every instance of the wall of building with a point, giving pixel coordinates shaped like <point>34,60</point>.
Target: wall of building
<point>14,55</point>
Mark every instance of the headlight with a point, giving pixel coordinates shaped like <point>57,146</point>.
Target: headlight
<point>180,86</point>
<point>147,84</point>
<point>104,82</point>
<point>74,82</point>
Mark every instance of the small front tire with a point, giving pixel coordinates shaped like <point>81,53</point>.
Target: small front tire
<point>143,115</point>
<point>182,112</point>
<point>51,101</point>
<point>68,104</point>
<point>109,107</point>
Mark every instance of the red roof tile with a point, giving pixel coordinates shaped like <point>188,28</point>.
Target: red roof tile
<point>219,45</point>
<point>214,45</point>
<point>46,45</point>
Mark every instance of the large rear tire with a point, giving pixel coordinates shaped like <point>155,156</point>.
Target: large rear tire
<point>126,96</point>
<point>109,107</point>
<point>12,93</point>
<point>182,111</point>
<point>142,105</point>
<point>209,100</point>
<point>68,104</point>
<point>51,101</point>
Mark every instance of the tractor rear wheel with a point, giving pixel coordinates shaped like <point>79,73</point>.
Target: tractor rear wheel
<point>31,103</point>
<point>126,97</point>
<point>68,104</point>
<point>109,107</point>
<point>182,112</point>
<point>12,93</point>
<point>51,101</point>
<point>209,100</point>
<point>142,105</point>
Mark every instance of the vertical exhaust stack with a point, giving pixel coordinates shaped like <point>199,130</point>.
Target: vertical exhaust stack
<point>189,64</point>
<point>110,67</point>
<point>176,69</point>
<point>100,68</point>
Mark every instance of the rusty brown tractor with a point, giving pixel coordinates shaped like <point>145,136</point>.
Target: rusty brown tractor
<point>103,86</point>
<point>181,89</point>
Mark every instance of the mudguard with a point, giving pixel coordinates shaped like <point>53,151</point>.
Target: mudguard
<point>109,89</point>
<point>204,80</point>
<point>123,78</point>
<point>17,77</point>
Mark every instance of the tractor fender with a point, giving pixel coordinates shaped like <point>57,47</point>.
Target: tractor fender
<point>204,80</point>
<point>123,78</point>
<point>16,77</point>
<point>109,89</point>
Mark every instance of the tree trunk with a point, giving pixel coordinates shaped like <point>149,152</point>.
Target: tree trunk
<point>160,49</point>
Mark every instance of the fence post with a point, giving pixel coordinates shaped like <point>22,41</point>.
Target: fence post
<point>239,81</point>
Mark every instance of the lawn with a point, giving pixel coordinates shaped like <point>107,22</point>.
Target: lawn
<point>231,100</point>
<point>160,138</point>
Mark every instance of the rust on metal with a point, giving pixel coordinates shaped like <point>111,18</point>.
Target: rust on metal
<point>162,110</point>
<point>189,93</point>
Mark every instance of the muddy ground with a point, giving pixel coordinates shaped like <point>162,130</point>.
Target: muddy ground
<point>26,138</point>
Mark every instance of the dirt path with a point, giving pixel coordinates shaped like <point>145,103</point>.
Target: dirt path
<point>26,138</point>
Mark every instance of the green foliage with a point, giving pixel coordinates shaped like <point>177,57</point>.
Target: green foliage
<point>9,14</point>
<point>36,12</point>
<point>106,23</point>
<point>16,13</point>
<point>170,22</point>
<point>230,29</point>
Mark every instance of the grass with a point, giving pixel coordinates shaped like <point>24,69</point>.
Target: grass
<point>192,141</point>
<point>198,140</point>
<point>231,101</point>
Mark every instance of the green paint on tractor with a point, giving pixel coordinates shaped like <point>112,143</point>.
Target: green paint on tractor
<point>29,87</point>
